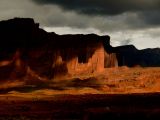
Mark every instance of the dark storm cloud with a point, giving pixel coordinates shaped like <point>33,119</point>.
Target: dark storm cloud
<point>104,7</point>
<point>150,17</point>
<point>124,20</point>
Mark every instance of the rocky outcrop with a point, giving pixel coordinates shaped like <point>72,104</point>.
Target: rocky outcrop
<point>27,50</point>
<point>149,57</point>
<point>130,56</point>
<point>25,47</point>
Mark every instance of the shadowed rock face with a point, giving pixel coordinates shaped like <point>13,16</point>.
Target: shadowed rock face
<point>130,56</point>
<point>27,50</point>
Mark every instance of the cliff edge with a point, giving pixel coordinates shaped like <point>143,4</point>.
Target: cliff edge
<point>29,51</point>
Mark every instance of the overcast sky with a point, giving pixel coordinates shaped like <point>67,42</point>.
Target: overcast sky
<point>126,21</point>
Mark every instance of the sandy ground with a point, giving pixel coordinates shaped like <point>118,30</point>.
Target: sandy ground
<point>121,80</point>
<point>119,93</point>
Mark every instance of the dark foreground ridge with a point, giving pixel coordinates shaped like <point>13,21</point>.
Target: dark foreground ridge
<point>84,107</point>
<point>26,48</point>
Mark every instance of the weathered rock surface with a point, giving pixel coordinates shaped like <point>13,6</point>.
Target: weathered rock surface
<point>130,56</point>
<point>25,47</point>
<point>27,50</point>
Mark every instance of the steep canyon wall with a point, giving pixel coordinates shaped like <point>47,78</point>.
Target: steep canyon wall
<point>27,50</point>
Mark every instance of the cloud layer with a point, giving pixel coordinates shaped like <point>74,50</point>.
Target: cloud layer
<point>123,20</point>
<point>146,10</point>
<point>104,7</point>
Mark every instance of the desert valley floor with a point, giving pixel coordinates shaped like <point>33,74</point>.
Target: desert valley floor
<point>127,93</point>
<point>122,80</point>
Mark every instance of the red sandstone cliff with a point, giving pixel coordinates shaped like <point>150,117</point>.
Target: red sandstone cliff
<point>26,50</point>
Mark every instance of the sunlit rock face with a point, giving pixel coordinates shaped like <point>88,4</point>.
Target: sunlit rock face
<point>81,54</point>
<point>90,60</point>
